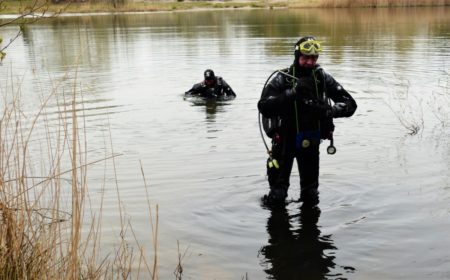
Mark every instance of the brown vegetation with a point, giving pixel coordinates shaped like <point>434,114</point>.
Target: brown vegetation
<point>380,3</point>
<point>44,230</point>
<point>16,7</point>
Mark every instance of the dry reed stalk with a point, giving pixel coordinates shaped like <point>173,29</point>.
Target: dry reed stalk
<point>178,272</point>
<point>75,235</point>
<point>409,109</point>
<point>36,240</point>
<point>153,228</point>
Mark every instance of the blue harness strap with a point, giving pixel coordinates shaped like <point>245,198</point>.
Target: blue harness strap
<point>310,135</point>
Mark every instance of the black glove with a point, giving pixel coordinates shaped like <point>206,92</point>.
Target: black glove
<point>290,93</point>
<point>304,88</point>
<point>324,109</point>
<point>320,108</point>
<point>210,93</point>
<point>338,110</point>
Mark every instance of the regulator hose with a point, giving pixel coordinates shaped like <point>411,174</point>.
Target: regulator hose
<point>259,113</point>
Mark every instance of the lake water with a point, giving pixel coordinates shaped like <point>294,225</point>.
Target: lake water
<point>385,194</point>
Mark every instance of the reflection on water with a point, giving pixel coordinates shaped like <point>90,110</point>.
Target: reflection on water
<point>359,30</point>
<point>296,249</point>
<point>212,106</point>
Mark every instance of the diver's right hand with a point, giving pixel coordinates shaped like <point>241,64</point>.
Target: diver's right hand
<point>339,109</point>
<point>290,93</point>
<point>294,92</point>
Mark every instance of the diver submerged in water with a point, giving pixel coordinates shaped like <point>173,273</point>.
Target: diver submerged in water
<point>211,87</point>
<point>297,101</point>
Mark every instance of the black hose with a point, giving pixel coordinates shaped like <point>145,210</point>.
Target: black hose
<point>259,114</point>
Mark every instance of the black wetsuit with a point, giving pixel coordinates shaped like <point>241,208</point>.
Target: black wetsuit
<point>219,89</point>
<point>306,113</point>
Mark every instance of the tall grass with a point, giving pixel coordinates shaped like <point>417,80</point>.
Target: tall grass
<point>45,232</point>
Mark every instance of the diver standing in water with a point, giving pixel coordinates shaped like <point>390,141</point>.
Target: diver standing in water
<point>297,103</point>
<point>211,87</point>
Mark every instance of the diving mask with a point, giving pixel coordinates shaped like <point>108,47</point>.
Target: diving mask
<point>309,47</point>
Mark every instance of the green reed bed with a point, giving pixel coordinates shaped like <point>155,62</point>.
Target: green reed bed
<point>47,230</point>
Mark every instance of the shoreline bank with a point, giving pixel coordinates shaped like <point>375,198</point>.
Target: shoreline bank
<point>21,7</point>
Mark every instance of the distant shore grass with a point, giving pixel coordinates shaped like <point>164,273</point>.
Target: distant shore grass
<point>380,3</point>
<point>17,7</point>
